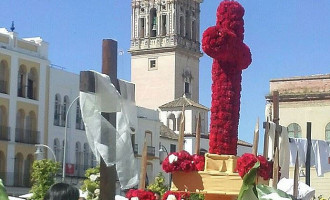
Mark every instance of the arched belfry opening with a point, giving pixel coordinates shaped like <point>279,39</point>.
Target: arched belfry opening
<point>153,22</point>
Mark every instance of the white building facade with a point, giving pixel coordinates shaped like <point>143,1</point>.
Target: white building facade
<point>23,96</point>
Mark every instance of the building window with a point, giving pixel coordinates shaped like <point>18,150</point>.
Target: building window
<point>294,130</point>
<point>78,159</point>
<point>31,128</point>
<point>142,27</point>
<point>164,26</point>
<point>179,119</point>
<point>18,170</point>
<point>20,124</point>
<point>153,20</point>
<point>27,170</point>
<point>148,135</point>
<point>32,86</point>
<point>152,64</point>
<point>172,148</point>
<point>193,31</point>
<point>79,122</point>
<point>171,122</point>
<point>188,36</point>
<point>3,77</point>
<point>21,81</point>
<point>186,88</point>
<point>181,26</point>
<point>2,166</point>
<point>327,132</point>
<point>4,130</point>
<point>187,77</point>
<point>57,110</point>
<point>64,110</point>
<point>57,150</point>
<point>86,156</point>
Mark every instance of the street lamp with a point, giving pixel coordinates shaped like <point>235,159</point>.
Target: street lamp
<point>162,150</point>
<point>38,151</point>
<point>65,137</point>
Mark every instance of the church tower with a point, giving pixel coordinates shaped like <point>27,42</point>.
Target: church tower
<point>165,49</point>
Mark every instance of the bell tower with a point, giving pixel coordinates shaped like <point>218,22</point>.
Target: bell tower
<point>165,49</point>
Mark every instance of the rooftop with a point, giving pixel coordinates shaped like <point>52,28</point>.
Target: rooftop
<point>183,101</point>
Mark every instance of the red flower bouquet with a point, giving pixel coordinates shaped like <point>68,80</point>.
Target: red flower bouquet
<point>183,161</point>
<point>199,162</point>
<point>141,194</point>
<point>247,161</point>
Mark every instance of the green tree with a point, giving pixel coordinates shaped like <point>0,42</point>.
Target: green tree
<point>43,176</point>
<point>92,183</point>
<point>3,193</point>
<point>159,184</point>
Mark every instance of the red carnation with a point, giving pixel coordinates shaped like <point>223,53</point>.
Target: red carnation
<point>141,194</point>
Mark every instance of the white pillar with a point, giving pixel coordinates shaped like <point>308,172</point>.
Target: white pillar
<point>12,120</point>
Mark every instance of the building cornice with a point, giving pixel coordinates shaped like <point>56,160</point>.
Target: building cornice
<point>300,97</point>
<point>302,78</point>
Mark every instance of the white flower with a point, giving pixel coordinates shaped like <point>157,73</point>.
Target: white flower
<point>93,177</point>
<point>134,198</point>
<point>171,197</point>
<point>97,191</point>
<point>172,158</point>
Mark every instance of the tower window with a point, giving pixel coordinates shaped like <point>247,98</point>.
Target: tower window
<point>181,26</point>
<point>152,64</point>
<point>163,25</point>
<point>188,36</point>
<point>193,31</point>
<point>186,88</point>
<point>141,27</point>
<point>153,20</point>
<point>187,77</point>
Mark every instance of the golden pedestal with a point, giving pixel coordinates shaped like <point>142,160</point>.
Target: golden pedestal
<point>217,181</point>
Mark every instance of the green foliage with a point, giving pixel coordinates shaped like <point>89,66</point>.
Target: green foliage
<point>159,184</point>
<point>92,183</point>
<point>196,196</point>
<point>3,193</point>
<point>43,176</point>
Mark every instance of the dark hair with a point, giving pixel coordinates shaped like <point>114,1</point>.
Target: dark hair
<point>62,191</point>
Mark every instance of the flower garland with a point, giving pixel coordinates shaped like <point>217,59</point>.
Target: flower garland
<point>140,195</point>
<point>246,162</point>
<point>183,161</point>
<point>224,43</point>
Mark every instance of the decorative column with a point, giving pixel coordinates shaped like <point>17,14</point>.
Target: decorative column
<point>224,43</point>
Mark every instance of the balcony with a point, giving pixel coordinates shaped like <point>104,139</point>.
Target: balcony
<point>4,133</point>
<point>3,87</point>
<point>27,136</point>
<point>150,151</point>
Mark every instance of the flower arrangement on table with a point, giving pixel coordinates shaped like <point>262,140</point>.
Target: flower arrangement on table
<point>139,194</point>
<point>247,161</point>
<point>250,167</point>
<point>183,161</point>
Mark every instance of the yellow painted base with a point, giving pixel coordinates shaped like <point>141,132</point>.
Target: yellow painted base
<point>218,180</point>
<point>220,197</point>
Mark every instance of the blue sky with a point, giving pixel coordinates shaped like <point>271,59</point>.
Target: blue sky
<point>286,38</point>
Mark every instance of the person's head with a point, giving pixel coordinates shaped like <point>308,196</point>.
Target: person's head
<point>62,191</point>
